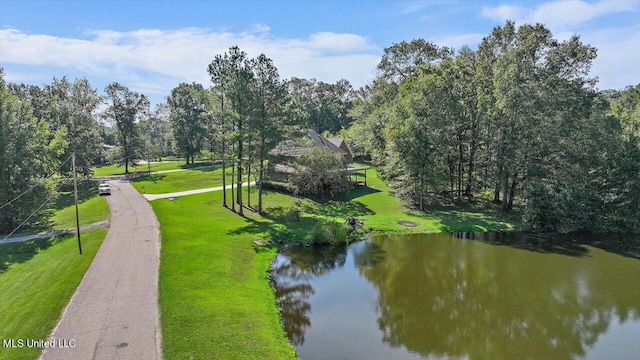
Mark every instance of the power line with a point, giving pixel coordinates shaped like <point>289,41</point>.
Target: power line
<point>40,182</point>
<point>34,212</point>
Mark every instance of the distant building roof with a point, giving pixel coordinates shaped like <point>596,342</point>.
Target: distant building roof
<point>288,148</point>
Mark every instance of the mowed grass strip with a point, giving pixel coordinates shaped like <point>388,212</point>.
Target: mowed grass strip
<point>215,298</point>
<point>108,170</point>
<point>37,279</point>
<point>180,181</point>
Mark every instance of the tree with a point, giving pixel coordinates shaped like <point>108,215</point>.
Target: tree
<point>321,171</point>
<point>28,158</point>
<point>372,110</point>
<point>326,105</point>
<point>222,126</point>
<point>189,118</point>
<point>519,116</point>
<point>69,107</point>
<point>270,118</point>
<point>418,133</point>
<point>158,131</point>
<point>626,107</point>
<point>402,60</point>
<point>125,108</point>
<point>232,73</point>
<point>74,105</point>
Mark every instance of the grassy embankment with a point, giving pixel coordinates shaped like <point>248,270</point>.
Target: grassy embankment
<point>38,277</point>
<point>215,296</point>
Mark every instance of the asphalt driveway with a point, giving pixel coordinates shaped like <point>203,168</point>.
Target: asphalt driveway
<point>114,312</point>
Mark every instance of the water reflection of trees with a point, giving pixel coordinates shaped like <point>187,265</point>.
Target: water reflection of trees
<point>291,275</point>
<point>489,302</point>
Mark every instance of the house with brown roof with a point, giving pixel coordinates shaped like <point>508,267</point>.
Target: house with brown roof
<point>292,149</point>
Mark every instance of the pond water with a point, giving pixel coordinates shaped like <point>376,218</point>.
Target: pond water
<point>462,296</point>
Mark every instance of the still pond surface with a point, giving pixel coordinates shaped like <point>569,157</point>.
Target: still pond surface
<point>462,296</point>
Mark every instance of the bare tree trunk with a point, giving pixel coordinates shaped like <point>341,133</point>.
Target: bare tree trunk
<point>512,191</point>
<point>421,192</point>
<point>460,171</point>
<point>496,192</point>
<point>505,191</point>
<point>233,171</point>
<point>224,176</point>
<point>261,174</point>
<point>239,192</point>
<point>471,165</point>
<point>248,183</point>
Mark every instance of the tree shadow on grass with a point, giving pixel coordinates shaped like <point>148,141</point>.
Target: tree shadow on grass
<point>87,189</point>
<point>154,178</point>
<point>465,221</point>
<point>358,192</point>
<point>339,209</point>
<point>281,229</point>
<point>346,196</point>
<point>19,252</point>
<point>202,168</point>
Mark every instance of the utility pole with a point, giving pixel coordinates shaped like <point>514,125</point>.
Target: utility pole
<point>148,160</point>
<point>75,196</point>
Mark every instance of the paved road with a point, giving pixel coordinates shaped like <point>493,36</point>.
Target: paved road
<point>114,312</point>
<point>151,197</point>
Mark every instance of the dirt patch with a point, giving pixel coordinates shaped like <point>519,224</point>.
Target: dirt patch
<point>407,223</point>
<point>259,242</point>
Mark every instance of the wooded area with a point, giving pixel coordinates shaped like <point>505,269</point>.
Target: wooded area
<point>517,120</point>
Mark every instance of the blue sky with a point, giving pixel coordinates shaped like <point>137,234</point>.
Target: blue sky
<point>151,46</point>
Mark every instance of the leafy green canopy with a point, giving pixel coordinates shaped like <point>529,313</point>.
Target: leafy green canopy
<point>518,119</point>
<point>28,157</point>
<point>321,171</point>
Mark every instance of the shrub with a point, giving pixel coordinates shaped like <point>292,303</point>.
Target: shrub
<point>293,214</point>
<point>320,172</point>
<point>327,232</point>
<point>278,186</point>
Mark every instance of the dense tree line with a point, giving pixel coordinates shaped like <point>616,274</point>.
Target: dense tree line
<point>29,153</point>
<point>517,119</point>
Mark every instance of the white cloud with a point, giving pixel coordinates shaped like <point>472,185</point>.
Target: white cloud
<point>458,41</point>
<point>559,15</point>
<point>503,12</point>
<point>152,60</point>
<point>339,42</point>
<point>260,28</point>
<point>563,14</point>
<point>618,61</point>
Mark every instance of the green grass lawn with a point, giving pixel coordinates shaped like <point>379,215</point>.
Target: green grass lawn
<point>155,166</point>
<point>214,293</point>
<point>215,297</point>
<point>91,206</point>
<point>381,211</point>
<point>179,181</point>
<point>37,279</point>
